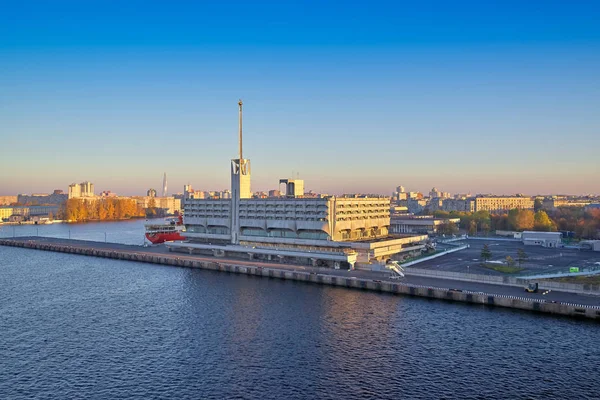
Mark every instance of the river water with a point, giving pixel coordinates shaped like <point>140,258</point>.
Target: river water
<point>82,327</point>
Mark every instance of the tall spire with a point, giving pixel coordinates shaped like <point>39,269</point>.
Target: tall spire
<point>240,139</point>
<point>164,192</point>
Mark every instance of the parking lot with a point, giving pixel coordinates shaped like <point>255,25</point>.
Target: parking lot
<point>539,259</point>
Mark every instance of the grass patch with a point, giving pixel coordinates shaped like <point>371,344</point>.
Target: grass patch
<point>505,269</point>
<point>590,279</point>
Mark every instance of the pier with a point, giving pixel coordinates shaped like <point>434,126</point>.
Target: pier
<point>555,302</point>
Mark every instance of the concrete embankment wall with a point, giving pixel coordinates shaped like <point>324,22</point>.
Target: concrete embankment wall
<point>507,280</point>
<point>521,303</point>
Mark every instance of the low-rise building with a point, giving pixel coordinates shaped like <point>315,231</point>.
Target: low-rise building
<point>419,225</point>
<point>593,245</point>
<point>544,239</point>
<point>27,212</point>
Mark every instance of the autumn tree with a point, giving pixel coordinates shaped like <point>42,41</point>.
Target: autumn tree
<point>448,228</point>
<point>509,261</point>
<point>524,220</point>
<point>543,223</point>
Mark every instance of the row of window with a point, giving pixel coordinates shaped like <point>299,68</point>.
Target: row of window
<point>314,235</point>
<point>214,230</point>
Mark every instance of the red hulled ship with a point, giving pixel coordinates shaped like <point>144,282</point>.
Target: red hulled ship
<point>169,230</point>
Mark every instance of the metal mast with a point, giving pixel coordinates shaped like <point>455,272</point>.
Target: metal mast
<point>240,139</point>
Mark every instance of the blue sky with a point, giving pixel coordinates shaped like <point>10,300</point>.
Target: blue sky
<point>358,97</point>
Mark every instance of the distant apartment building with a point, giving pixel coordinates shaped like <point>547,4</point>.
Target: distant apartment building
<point>293,187</point>
<point>170,205</point>
<point>274,193</point>
<point>56,198</point>
<point>415,206</point>
<point>108,193</point>
<point>434,193</point>
<point>84,189</point>
<point>7,200</point>
<point>151,193</point>
<point>501,203</point>
<point>5,213</point>
<point>554,202</point>
<point>592,206</point>
<point>458,205</point>
<point>480,203</point>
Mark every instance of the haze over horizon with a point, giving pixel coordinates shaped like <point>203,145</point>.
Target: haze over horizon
<point>498,98</point>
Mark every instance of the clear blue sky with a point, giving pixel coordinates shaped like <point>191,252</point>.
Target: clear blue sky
<point>475,96</point>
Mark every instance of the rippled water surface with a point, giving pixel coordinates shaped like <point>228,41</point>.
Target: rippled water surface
<point>126,232</point>
<point>81,327</point>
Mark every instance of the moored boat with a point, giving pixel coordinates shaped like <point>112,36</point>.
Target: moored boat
<point>171,229</point>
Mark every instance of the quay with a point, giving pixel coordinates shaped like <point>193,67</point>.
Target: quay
<point>554,302</point>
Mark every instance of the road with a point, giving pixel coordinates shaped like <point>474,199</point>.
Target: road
<point>563,297</point>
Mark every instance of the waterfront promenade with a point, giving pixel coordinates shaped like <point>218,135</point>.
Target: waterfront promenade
<point>474,292</point>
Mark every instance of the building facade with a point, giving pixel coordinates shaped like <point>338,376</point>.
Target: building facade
<point>419,225</point>
<point>502,203</point>
<point>170,205</point>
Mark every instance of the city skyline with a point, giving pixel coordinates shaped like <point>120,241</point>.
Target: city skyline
<point>473,98</point>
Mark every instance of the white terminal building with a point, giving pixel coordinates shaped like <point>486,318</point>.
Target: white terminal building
<point>324,231</point>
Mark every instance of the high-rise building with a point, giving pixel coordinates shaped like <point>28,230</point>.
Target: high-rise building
<point>83,189</point>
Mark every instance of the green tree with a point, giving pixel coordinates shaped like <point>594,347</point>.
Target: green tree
<point>485,226</point>
<point>472,228</point>
<point>537,205</point>
<point>512,219</point>
<point>449,228</point>
<point>486,253</point>
<point>521,256</point>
